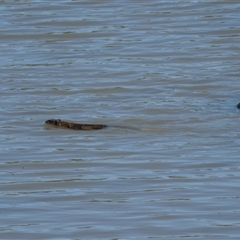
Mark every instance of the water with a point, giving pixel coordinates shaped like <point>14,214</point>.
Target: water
<point>167,73</point>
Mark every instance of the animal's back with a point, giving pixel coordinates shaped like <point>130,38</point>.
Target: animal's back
<point>74,126</point>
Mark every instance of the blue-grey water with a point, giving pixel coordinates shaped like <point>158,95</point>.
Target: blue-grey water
<point>166,73</point>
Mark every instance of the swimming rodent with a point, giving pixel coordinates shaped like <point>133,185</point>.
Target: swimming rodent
<point>74,126</point>
<point>82,126</point>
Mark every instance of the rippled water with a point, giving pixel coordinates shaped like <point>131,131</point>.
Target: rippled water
<point>166,73</point>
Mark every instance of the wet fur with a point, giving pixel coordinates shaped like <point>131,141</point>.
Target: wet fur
<point>74,126</point>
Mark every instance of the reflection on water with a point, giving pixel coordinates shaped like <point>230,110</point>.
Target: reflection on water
<point>163,76</point>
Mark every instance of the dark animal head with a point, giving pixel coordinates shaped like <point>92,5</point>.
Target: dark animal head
<point>53,121</point>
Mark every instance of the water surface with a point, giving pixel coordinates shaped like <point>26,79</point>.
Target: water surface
<point>167,73</point>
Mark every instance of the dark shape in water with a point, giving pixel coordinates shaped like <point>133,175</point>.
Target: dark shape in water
<point>238,106</point>
<point>74,126</point>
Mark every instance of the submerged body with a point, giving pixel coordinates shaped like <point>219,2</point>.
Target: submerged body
<point>74,126</point>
